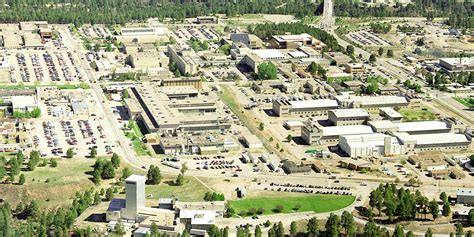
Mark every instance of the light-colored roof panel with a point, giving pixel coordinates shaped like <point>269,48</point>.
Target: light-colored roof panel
<point>324,103</point>
<point>347,113</point>
<point>421,126</point>
<point>346,130</point>
<point>268,53</point>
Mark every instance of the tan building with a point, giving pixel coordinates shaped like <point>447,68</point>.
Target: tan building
<point>344,117</point>
<point>250,40</point>
<point>11,40</point>
<point>183,81</point>
<point>148,60</point>
<point>207,20</point>
<point>306,108</point>
<point>186,60</point>
<point>355,68</point>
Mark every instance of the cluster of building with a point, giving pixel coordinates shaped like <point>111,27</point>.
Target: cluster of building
<point>21,100</point>
<point>171,216</point>
<point>30,35</point>
<point>360,136</point>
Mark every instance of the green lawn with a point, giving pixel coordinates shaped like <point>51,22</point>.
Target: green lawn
<point>421,114</point>
<point>134,126</point>
<point>138,145</point>
<point>306,202</point>
<point>468,102</point>
<point>51,186</point>
<point>140,148</point>
<point>191,190</point>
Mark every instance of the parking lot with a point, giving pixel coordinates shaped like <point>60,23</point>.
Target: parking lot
<point>198,33</point>
<point>367,39</point>
<point>95,31</point>
<point>41,66</point>
<point>54,137</point>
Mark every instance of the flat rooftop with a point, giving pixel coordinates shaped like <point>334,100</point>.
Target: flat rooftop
<point>323,103</point>
<point>390,112</point>
<point>268,53</point>
<point>293,38</point>
<point>366,140</point>
<point>346,130</point>
<point>459,62</point>
<point>465,192</point>
<point>136,178</point>
<point>349,113</point>
<point>433,139</point>
<point>373,100</point>
<point>421,126</point>
<point>199,217</point>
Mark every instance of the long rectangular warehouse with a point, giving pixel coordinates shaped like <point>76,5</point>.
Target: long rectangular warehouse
<point>435,141</point>
<point>303,107</point>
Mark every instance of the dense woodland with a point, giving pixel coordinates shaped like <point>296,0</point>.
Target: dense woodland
<point>119,12</point>
<point>460,14</point>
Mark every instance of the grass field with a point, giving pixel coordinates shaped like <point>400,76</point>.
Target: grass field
<point>468,102</point>
<point>191,190</point>
<point>138,145</point>
<point>290,204</point>
<point>51,186</point>
<point>421,114</point>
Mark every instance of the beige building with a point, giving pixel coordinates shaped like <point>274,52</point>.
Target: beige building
<point>250,40</point>
<point>174,109</point>
<point>186,60</point>
<point>183,81</point>
<point>148,60</point>
<point>344,117</point>
<point>355,68</point>
<point>306,108</point>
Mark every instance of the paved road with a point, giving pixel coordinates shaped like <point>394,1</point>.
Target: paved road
<point>124,143</point>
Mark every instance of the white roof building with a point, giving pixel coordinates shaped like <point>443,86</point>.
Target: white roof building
<point>266,54</point>
<point>350,113</point>
<point>199,217</point>
<point>426,141</point>
<point>353,101</point>
<point>422,126</point>
<point>366,145</point>
<point>303,104</point>
<point>24,103</point>
<point>332,131</point>
<point>418,127</point>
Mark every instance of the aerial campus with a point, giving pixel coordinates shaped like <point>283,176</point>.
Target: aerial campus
<point>236,118</point>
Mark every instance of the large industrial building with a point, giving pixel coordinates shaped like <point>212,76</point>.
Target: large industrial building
<point>418,127</point>
<point>148,61</point>
<point>186,59</point>
<point>465,196</point>
<point>251,41</point>
<point>344,117</point>
<point>303,108</point>
<point>372,103</point>
<point>367,145</point>
<point>457,64</point>
<point>313,133</point>
<point>295,41</point>
<point>174,109</point>
<point>433,141</point>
